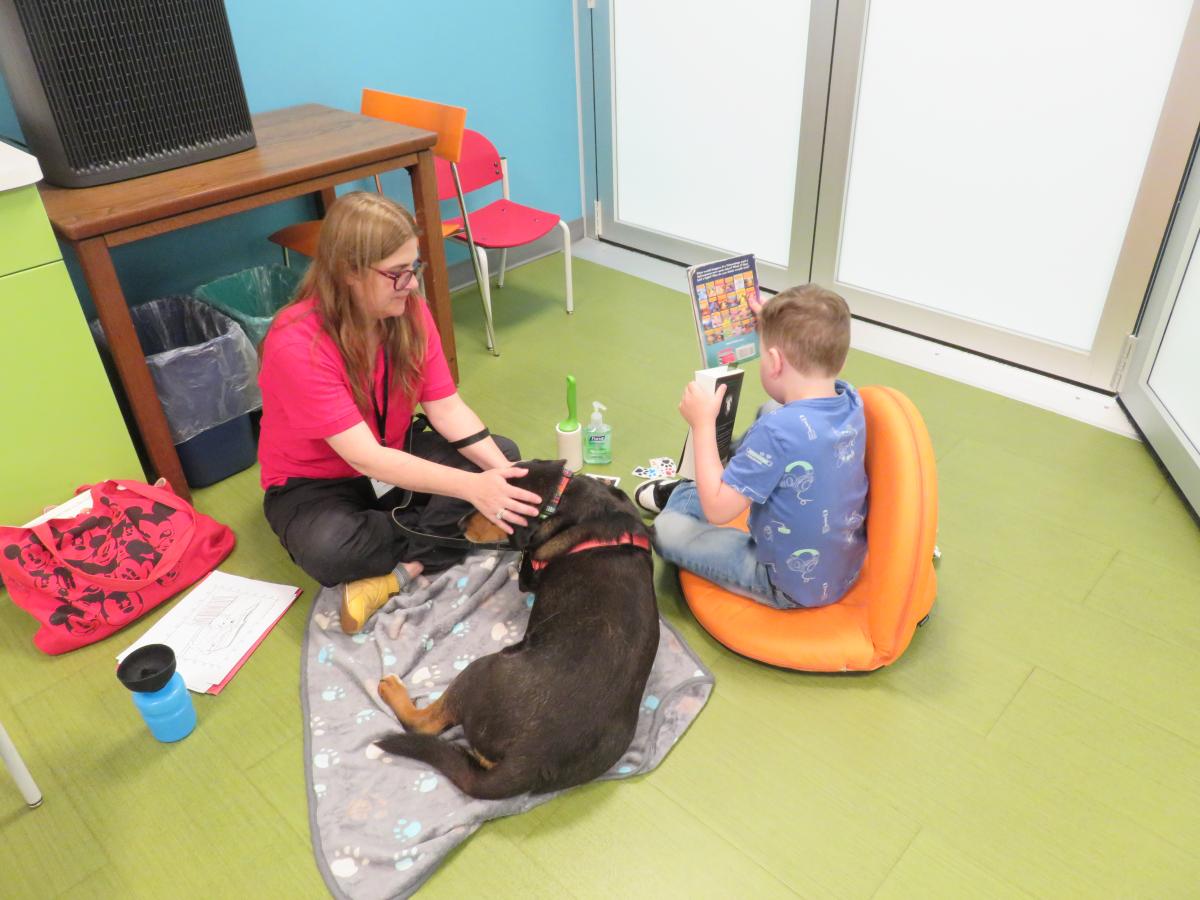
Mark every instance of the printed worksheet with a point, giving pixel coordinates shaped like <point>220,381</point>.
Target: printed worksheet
<point>215,628</point>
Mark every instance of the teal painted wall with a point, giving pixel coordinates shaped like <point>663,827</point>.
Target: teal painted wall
<point>512,65</point>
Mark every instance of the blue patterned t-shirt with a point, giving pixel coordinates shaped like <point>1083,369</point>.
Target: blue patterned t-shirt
<point>802,467</point>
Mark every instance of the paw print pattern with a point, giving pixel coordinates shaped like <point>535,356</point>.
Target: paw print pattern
<point>318,791</point>
<point>458,601</point>
<point>405,859</point>
<point>333,692</point>
<point>362,637</point>
<point>426,642</point>
<point>323,621</point>
<point>462,661</point>
<point>423,784</point>
<point>426,676</point>
<point>388,658</point>
<point>505,632</point>
<point>489,562</point>
<point>326,757</point>
<point>373,753</point>
<point>461,629</point>
<point>406,830</point>
<point>461,583</point>
<point>347,861</point>
<point>325,655</point>
<point>317,724</point>
<point>364,715</point>
<point>529,600</point>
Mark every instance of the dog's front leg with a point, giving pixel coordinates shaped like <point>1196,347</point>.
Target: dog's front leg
<point>433,719</point>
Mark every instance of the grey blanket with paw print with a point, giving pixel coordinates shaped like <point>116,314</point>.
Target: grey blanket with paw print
<point>382,823</point>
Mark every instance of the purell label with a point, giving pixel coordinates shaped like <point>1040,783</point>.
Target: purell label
<point>596,438</point>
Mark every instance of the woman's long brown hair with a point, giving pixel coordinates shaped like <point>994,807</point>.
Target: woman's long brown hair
<point>359,231</point>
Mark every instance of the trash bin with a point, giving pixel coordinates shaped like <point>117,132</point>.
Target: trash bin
<point>252,296</point>
<point>206,372</point>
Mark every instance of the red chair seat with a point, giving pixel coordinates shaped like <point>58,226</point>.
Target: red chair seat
<point>506,224</point>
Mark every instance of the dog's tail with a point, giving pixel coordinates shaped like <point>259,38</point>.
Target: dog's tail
<point>505,779</point>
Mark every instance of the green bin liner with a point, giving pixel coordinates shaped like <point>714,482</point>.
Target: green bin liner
<point>252,296</point>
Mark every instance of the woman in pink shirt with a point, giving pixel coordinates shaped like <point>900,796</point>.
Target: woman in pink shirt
<point>343,367</point>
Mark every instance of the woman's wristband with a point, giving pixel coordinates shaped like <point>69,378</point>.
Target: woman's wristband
<point>470,439</point>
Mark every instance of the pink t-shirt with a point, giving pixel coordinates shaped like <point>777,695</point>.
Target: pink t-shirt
<point>307,398</point>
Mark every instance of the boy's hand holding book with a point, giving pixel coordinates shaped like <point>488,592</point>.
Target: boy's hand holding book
<point>699,407</point>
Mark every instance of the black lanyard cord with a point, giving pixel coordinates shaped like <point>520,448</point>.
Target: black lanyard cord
<point>381,414</point>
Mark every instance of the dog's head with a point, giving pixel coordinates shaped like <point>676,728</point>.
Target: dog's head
<point>587,510</point>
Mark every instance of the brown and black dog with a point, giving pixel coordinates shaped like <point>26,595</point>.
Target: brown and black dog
<point>561,706</point>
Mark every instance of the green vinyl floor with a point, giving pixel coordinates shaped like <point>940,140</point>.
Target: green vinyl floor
<point>1040,737</point>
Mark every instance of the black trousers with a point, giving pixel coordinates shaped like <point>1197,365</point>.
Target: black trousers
<point>336,530</point>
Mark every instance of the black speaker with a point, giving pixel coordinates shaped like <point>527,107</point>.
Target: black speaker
<point>111,89</point>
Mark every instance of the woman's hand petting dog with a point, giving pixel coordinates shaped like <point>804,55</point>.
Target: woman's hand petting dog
<point>499,501</point>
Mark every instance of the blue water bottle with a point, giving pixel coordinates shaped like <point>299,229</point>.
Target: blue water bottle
<point>159,692</point>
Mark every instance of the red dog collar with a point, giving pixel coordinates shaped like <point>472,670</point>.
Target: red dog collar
<point>633,540</point>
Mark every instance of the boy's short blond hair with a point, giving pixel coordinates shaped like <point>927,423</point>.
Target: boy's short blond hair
<point>810,326</point>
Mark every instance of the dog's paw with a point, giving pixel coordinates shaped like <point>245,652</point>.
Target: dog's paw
<point>347,861</point>
<point>333,692</point>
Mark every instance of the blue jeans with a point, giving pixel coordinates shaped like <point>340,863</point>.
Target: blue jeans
<point>722,555</point>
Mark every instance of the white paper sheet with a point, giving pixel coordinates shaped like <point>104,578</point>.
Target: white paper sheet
<point>216,626</point>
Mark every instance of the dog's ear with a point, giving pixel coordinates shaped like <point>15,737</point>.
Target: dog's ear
<point>483,530</point>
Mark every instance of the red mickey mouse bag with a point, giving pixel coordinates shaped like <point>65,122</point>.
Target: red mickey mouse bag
<point>90,575</point>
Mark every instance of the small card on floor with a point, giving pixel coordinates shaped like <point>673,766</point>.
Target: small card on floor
<point>610,480</point>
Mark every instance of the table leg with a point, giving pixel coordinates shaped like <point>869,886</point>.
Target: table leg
<point>325,198</point>
<point>126,349</point>
<point>433,251</point>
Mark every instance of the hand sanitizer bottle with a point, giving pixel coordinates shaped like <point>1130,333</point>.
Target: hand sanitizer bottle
<point>597,437</point>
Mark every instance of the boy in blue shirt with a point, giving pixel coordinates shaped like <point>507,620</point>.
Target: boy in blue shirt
<point>799,468</point>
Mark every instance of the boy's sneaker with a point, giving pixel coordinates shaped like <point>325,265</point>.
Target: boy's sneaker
<point>652,495</point>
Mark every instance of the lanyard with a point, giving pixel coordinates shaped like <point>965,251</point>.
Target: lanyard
<point>381,414</point>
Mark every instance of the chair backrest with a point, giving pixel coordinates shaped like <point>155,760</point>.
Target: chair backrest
<point>479,164</point>
<point>448,122</point>
<point>901,519</point>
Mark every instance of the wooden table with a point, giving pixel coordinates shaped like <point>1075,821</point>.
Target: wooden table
<point>301,150</point>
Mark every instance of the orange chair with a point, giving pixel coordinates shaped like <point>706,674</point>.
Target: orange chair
<point>448,122</point>
<point>873,624</point>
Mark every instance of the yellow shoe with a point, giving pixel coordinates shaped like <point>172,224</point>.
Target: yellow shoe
<point>361,599</point>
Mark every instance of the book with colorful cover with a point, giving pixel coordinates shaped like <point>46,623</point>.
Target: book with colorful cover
<point>721,292</point>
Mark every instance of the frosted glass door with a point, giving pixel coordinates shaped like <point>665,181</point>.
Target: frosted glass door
<point>709,122</point>
<point>1163,394</point>
<point>999,175</point>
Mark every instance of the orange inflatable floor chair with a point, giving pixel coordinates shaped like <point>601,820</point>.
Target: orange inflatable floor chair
<point>875,621</point>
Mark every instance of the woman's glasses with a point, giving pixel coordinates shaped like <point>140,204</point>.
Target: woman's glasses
<point>405,277</point>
